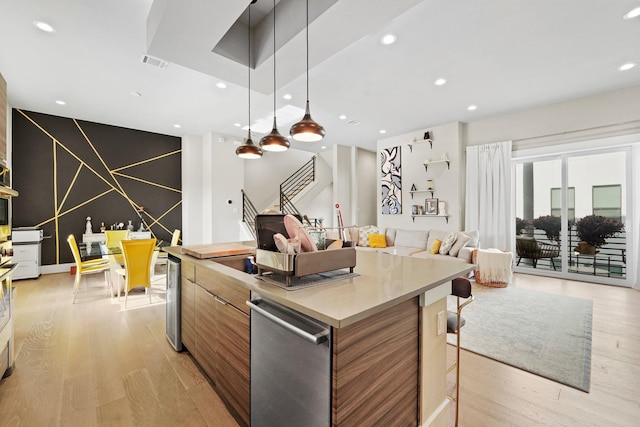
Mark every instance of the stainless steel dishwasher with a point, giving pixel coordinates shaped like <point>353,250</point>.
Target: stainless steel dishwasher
<point>290,367</point>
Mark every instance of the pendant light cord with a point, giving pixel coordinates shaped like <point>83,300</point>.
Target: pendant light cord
<point>307,50</point>
<point>249,69</point>
<point>274,61</point>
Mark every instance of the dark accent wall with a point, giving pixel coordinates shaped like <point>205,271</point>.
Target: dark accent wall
<point>66,170</point>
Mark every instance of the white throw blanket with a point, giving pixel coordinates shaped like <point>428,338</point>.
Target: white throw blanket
<point>494,265</point>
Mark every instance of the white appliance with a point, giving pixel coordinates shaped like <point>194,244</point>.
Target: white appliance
<point>27,244</point>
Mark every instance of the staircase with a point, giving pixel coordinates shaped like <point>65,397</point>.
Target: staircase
<point>292,186</point>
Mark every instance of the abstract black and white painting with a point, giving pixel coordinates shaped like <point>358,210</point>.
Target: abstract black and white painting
<point>391,180</point>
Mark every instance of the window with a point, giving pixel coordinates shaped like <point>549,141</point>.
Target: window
<point>556,202</point>
<point>607,200</point>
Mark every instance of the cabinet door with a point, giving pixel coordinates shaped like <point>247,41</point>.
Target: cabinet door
<point>188,314</point>
<point>233,358</point>
<point>206,334</point>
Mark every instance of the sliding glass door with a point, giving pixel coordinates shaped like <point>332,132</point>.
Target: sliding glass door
<point>571,211</point>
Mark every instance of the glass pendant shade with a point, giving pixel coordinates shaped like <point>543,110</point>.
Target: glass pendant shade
<point>249,150</point>
<point>274,141</point>
<point>307,129</point>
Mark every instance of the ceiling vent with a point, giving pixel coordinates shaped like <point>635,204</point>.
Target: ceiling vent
<point>156,62</point>
<point>353,122</point>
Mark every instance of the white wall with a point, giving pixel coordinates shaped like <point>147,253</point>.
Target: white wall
<point>366,187</point>
<point>448,183</point>
<point>608,114</point>
<point>212,175</point>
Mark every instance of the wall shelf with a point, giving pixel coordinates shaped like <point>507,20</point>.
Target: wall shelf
<point>413,217</point>
<point>420,141</point>
<point>426,164</point>
<point>422,191</point>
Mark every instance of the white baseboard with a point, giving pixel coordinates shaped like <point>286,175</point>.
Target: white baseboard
<point>56,268</point>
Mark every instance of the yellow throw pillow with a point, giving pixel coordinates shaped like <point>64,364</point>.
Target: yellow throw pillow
<point>435,246</point>
<point>377,241</point>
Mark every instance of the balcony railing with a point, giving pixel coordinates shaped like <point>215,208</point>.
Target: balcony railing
<point>610,261</point>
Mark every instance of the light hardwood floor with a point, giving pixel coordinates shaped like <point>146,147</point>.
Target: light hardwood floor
<point>93,363</point>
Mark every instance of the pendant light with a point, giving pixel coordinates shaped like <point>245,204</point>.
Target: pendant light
<point>307,129</point>
<point>274,141</point>
<point>249,150</point>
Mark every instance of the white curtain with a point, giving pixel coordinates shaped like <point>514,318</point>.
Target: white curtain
<point>488,194</point>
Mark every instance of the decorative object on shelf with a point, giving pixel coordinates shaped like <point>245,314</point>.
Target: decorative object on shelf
<point>141,226</point>
<point>274,141</point>
<point>442,208</point>
<point>307,129</point>
<point>431,206</point>
<point>430,186</point>
<point>87,229</point>
<point>413,187</point>
<point>414,209</point>
<point>444,157</point>
<point>248,150</point>
<point>391,180</point>
<point>130,225</point>
<point>427,135</point>
<point>102,227</point>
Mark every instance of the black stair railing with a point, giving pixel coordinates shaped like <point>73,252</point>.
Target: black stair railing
<point>297,182</point>
<point>249,213</point>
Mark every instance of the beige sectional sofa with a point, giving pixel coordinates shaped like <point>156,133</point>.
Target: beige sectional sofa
<point>454,245</point>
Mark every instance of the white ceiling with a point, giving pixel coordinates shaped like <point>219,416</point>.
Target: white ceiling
<point>501,55</point>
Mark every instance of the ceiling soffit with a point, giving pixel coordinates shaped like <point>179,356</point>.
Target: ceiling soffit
<point>211,37</point>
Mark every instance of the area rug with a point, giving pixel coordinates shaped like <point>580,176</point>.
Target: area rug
<point>545,334</point>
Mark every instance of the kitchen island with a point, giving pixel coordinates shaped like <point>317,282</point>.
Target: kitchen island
<point>387,357</point>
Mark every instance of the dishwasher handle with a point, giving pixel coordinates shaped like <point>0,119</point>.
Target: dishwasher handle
<point>316,339</point>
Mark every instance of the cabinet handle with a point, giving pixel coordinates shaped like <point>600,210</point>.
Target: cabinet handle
<point>220,300</point>
<point>316,339</point>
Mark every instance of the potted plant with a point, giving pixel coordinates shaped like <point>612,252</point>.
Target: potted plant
<point>521,224</point>
<point>551,226</point>
<point>593,232</point>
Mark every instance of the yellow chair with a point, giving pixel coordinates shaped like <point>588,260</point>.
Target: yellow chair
<point>114,237</point>
<point>87,267</point>
<point>175,239</point>
<point>137,263</point>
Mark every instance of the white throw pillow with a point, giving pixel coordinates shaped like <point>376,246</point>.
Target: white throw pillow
<point>447,243</point>
<point>363,234</point>
<point>460,243</point>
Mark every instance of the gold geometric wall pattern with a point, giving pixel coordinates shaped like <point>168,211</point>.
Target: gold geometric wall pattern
<point>85,169</point>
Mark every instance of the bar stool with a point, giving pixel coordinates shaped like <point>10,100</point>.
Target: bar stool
<point>461,289</point>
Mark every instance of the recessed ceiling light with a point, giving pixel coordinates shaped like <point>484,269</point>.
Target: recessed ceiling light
<point>388,39</point>
<point>633,13</point>
<point>627,66</point>
<point>342,117</point>
<point>472,107</point>
<point>439,82</point>
<point>60,102</point>
<point>237,125</point>
<point>221,85</point>
<point>383,131</point>
<point>43,26</point>
<point>287,96</point>
<point>324,147</point>
<point>177,126</point>
<point>134,93</point>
